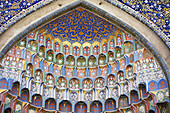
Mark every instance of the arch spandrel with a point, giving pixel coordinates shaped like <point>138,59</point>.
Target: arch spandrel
<point>92,28</point>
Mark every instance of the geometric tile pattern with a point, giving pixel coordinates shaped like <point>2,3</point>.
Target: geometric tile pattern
<point>62,66</point>
<point>155,11</point>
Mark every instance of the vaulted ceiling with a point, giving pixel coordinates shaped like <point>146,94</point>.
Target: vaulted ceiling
<point>152,13</point>
<point>81,59</point>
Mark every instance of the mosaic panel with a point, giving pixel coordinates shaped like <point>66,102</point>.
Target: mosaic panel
<point>115,70</point>
<point>155,11</point>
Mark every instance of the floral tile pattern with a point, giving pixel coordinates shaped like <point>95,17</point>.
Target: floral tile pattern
<point>155,10</point>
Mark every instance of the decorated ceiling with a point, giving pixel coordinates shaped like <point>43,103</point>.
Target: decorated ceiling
<point>153,13</point>
<point>80,62</point>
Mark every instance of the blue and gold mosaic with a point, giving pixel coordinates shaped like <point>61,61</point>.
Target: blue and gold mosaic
<point>153,13</point>
<point>12,7</point>
<point>109,73</point>
<point>12,11</point>
<point>156,11</point>
<point>80,25</point>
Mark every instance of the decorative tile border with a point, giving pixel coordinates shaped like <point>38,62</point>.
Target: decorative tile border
<point>143,19</point>
<point>20,13</point>
<point>132,7</point>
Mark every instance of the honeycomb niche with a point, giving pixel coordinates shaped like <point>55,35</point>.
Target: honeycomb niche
<point>81,63</point>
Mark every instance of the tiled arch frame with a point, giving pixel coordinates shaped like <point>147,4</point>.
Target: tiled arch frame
<point>118,3</point>
<point>145,35</point>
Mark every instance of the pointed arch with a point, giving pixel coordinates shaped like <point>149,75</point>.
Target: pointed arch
<point>96,106</point>
<point>110,104</point>
<point>80,107</point>
<point>65,106</point>
<point>50,104</point>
